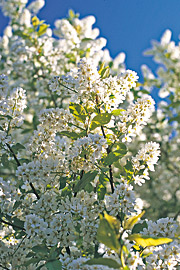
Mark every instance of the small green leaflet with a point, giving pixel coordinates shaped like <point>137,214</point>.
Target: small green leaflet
<point>100,120</point>
<point>108,232</point>
<point>85,180</point>
<point>78,111</point>
<point>147,241</point>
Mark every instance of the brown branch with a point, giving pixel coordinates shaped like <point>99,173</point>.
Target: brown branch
<point>108,151</point>
<point>12,152</point>
<point>110,166</point>
<point>68,250</point>
<point>19,164</point>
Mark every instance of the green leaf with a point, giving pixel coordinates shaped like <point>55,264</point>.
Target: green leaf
<point>40,249</point>
<point>128,167</point>
<point>16,205</point>
<point>18,222</point>
<point>30,254</point>
<point>117,112</point>
<point>32,261</point>
<point>54,252</point>
<point>73,135</point>
<point>71,14</point>
<point>105,72</point>
<point>101,67</point>
<point>103,179</point>
<point>78,111</point>
<point>89,188</point>
<point>66,192</point>
<point>101,191</point>
<point>139,227</point>
<point>54,265</point>
<point>113,222</point>
<point>126,268</point>
<point>130,222</point>
<point>86,179</point>
<point>4,160</point>
<point>22,34</point>
<point>121,148</point>
<point>114,156</point>
<point>35,21</point>
<point>17,147</point>
<point>104,261</point>
<point>42,29</point>
<point>62,181</point>
<point>147,241</point>
<point>111,158</point>
<point>108,232</point>
<point>100,120</point>
<point>86,39</point>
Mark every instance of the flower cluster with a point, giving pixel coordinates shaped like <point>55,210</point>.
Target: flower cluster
<point>123,200</point>
<point>135,117</point>
<point>90,86</point>
<point>145,160</point>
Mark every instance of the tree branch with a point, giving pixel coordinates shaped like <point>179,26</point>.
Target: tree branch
<point>19,164</point>
<point>108,151</point>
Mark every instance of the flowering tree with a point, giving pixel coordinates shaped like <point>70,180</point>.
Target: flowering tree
<point>68,119</point>
<point>162,192</point>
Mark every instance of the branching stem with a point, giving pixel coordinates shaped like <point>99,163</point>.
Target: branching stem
<point>19,164</point>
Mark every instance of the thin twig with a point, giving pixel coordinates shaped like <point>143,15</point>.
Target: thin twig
<point>68,87</point>
<point>108,151</point>
<point>19,164</point>
<point>11,224</point>
<point>12,152</point>
<point>19,245</point>
<point>110,166</point>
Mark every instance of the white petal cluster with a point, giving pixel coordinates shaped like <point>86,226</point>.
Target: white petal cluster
<point>10,7</point>
<point>166,227</point>
<point>12,104</point>
<point>33,225</point>
<point>36,5</point>
<point>93,146</point>
<point>145,160</point>
<point>135,261</point>
<point>90,87</point>
<point>165,257</point>
<point>42,173</point>
<point>122,200</point>
<point>167,54</point>
<point>135,117</point>
<point>51,122</point>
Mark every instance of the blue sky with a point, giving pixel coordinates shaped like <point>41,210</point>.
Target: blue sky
<point>128,25</point>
